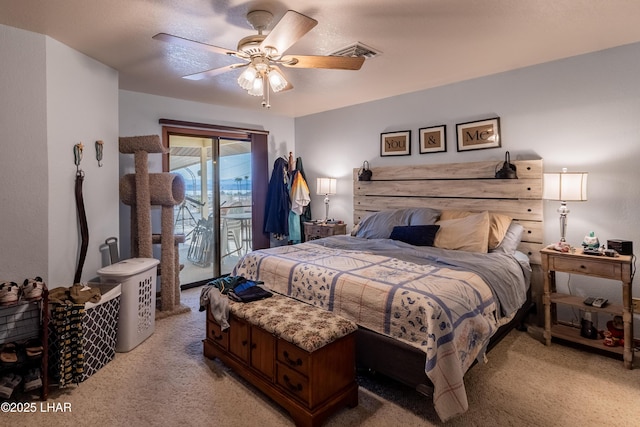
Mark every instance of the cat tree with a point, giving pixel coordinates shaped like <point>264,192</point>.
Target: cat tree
<point>142,190</point>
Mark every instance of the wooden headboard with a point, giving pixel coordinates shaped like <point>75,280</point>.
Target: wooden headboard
<point>459,186</point>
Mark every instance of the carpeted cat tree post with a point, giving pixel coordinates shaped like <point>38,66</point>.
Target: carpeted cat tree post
<point>143,190</point>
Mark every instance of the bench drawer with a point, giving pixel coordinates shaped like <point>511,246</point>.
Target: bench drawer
<point>293,357</point>
<point>293,382</point>
<point>215,334</point>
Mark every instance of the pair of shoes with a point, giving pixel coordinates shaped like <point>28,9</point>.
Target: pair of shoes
<point>8,383</point>
<point>32,380</point>
<point>31,289</point>
<point>9,293</point>
<point>33,348</point>
<point>9,353</point>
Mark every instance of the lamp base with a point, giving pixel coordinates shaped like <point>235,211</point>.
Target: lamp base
<point>326,208</point>
<point>563,211</point>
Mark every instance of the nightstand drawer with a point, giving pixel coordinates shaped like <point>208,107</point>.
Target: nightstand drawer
<point>314,231</point>
<point>591,267</point>
<point>318,231</point>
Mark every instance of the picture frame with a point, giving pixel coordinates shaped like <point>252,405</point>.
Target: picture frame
<point>433,139</point>
<point>395,143</point>
<point>479,135</point>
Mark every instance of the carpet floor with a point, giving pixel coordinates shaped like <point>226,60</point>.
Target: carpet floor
<point>166,381</point>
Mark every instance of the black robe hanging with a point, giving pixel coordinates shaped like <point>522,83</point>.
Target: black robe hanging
<point>276,216</point>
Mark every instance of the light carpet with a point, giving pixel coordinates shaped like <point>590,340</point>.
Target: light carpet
<point>166,381</point>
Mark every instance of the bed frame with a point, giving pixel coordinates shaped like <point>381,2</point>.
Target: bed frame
<point>462,186</point>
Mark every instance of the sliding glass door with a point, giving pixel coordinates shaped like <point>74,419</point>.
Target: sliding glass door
<point>235,202</point>
<point>217,214</point>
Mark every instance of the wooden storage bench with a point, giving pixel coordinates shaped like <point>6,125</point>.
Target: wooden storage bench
<point>301,356</point>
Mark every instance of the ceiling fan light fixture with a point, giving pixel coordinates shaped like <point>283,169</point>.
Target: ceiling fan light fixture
<point>247,78</point>
<point>277,81</point>
<point>257,87</point>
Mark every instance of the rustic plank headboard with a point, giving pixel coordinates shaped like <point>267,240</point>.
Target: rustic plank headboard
<point>460,186</point>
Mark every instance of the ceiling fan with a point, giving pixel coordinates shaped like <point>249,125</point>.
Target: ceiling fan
<point>262,54</point>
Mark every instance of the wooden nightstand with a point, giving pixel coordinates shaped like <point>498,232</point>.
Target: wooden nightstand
<point>314,230</point>
<point>615,268</point>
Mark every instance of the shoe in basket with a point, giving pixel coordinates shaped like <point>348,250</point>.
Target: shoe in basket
<point>9,293</point>
<point>32,289</point>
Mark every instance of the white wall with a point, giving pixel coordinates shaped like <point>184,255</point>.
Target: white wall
<point>23,162</point>
<point>581,113</point>
<point>52,97</point>
<point>139,115</point>
<point>82,106</point>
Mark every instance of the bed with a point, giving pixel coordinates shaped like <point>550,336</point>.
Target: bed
<point>437,270</point>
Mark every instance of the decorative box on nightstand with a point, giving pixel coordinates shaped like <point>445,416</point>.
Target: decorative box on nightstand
<point>318,230</point>
<point>614,268</point>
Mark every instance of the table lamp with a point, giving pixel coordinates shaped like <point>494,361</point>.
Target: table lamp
<point>326,186</point>
<point>565,186</point>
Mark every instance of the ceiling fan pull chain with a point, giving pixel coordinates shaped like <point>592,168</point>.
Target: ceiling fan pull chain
<point>265,95</point>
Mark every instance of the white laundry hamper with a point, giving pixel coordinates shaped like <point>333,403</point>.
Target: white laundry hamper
<point>137,277</point>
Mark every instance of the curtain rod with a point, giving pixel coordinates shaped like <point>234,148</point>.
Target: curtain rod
<point>211,127</point>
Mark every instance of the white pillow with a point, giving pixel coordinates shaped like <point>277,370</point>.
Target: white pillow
<point>511,239</point>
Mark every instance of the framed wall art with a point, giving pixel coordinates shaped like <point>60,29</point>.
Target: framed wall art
<point>395,143</point>
<point>479,135</point>
<point>433,139</point>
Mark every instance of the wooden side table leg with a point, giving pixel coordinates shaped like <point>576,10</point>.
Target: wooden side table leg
<point>549,277</point>
<point>627,318</point>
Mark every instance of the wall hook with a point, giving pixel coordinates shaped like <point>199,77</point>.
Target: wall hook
<point>77,156</point>
<point>99,146</point>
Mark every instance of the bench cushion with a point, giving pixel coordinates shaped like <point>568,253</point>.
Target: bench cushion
<point>299,323</point>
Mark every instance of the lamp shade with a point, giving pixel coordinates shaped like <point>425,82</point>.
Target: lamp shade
<point>326,186</point>
<point>565,186</point>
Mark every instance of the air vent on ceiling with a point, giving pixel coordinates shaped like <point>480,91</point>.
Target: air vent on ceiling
<point>357,49</point>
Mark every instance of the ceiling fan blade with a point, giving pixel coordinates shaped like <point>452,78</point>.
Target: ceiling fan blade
<point>181,41</point>
<point>213,72</point>
<point>288,30</point>
<point>331,62</point>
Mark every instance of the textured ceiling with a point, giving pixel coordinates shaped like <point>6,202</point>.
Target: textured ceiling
<point>424,43</point>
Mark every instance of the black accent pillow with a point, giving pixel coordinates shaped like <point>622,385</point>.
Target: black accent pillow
<point>416,235</point>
